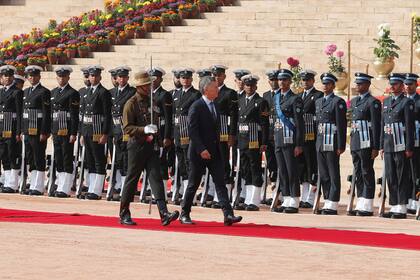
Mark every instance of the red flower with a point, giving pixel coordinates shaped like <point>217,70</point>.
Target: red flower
<point>292,62</point>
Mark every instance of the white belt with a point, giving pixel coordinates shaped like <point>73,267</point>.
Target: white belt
<point>26,115</point>
<point>2,116</point>
<point>360,124</point>
<point>56,114</point>
<point>243,128</point>
<point>117,121</point>
<point>162,122</point>
<point>176,120</point>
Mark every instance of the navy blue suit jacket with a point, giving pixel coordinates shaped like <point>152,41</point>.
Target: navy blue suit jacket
<point>204,131</point>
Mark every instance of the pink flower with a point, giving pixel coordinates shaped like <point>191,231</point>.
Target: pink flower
<point>330,49</point>
<point>339,54</point>
<point>292,62</point>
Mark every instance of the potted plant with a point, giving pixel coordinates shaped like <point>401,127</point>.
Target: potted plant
<point>416,35</point>
<point>83,50</point>
<point>202,6</point>
<point>40,60</point>
<point>52,56</point>
<point>195,13</point>
<point>184,10</point>
<point>71,49</point>
<point>129,30</point>
<point>92,42</point>
<point>139,32</point>
<point>385,52</point>
<point>21,60</point>
<point>112,36</point>
<point>165,19</point>
<point>148,24</point>
<point>103,44</point>
<point>175,19</point>
<point>336,67</point>
<point>121,38</point>
<point>61,55</point>
<point>294,65</point>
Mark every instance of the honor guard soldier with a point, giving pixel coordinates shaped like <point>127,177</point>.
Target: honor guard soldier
<point>83,92</point>
<point>19,81</point>
<point>10,126</point>
<point>364,143</point>
<point>410,88</point>
<point>120,94</point>
<point>163,100</point>
<point>36,127</point>
<point>205,72</point>
<point>308,163</point>
<point>253,126</point>
<point>96,126</point>
<point>176,80</point>
<point>239,73</point>
<point>114,77</point>
<point>288,138</point>
<point>330,142</point>
<point>182,100</point>
<point>143,150</point>
<point>397,144</point>
<point>65,102</point>
<point>269,96</point>
<point>227,102</point>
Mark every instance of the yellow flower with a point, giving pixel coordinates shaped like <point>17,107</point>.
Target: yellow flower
<point>120,10</point>
<point>108,16</point>
<point>25,43</point>
<point>3,49</point>
<point>130,9</point>
<point>146,3</point>
<point>93,22</point>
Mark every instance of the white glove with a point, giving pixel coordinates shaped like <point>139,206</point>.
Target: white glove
<point>150,129</point>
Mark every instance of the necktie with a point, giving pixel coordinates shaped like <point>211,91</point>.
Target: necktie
<point>213,111</point>
<point>304,94</point>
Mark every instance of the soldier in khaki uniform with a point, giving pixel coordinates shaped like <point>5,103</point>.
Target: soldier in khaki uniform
<point>143,150</point>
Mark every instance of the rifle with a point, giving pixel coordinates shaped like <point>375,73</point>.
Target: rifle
<point>382,181</point>
<point>175,194</point>
<point>52,177</point>
<point>76,160</point>
<point>237,185</point>
<point>203,199</point>
<point>82,173</point>
<point>315,209</point>
<point>276,197</point>
<point>352,193</point>
<point>110,191</point>
<point>23,173</point>
<point>145,181</point>
<point>265,179</point>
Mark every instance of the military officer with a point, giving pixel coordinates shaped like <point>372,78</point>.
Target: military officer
<point>120,94</point>
<point>227,102</point>
<point>410,88</point>
<point>114,77</point>
<point>96,126</point>
<point>253,126</point>
<point>36,127</point>
<point>19,81</point>
<point>330,142</point>
<point>308,163</point>
<point>143,132</point>
<point>163,100</point>
<point>364,143</point>
<point>83,92</point>
<point>269,96</point>
<point>205,72</point>
<point>176,80</point>
<point>182,100</point>
<point>239,73</point>
<point>65,102</point>
<point>10,126</point>
<point>288,139</point>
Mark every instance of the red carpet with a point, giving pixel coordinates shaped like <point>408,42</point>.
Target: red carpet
<point>376,239</point>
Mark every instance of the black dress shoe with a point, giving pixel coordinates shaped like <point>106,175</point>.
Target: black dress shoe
<point>61,195</point>
<point>352,213</point>
<point>168,217</point>
<point>398,216</point>
<point>418,218</point>
<point>301,204</point>
<point>278,209</point>
<point>291,210</point>
<point>231,219</point>
<point>35,192</point>
<point>240,207</point>
<point>364,213</point>
<point>125,218</point>
<point>269,201</point>
<point>318,212</point>
<point>85,189</point>
<point>329,212</point>
<point>185,219</point>
<point>7,190</point>
<point>307,205</point>
<point>216,205</point>
<point>93,196</point>
<point>241,200</point>
<point>387,215</point>
<point>252,207</point>
<point>411,211</point>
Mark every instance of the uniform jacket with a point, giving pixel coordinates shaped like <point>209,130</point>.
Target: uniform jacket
<point>11,101</point>
<point>67,100</point>
<point>227,102</point>
<point>37,100</point>
<point>163,100</point>
<point>118,102</point>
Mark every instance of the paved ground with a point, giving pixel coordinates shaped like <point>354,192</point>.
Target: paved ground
<point>38,251</point>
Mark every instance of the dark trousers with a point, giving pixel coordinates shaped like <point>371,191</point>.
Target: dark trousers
<point>398,177</point>
<point>141,157</point>
<point>251,170</point>
<point>329,172</point>
<point>288,171</point>
<point>164,163</point>
<point>365,174</point>
<point>183,161</point>
<point>216,170</point>
<point>416,167</point>
<point>308,163</point>
<point>63,154</point>
<point>35,152</point>
<point>224,148</point>
<point>121,155</point>
<point>171,159</point>
<point>271,161</point>
<point>9,153</point>
<point>95,156</point>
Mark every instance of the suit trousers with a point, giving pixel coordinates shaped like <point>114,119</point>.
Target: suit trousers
<point>9,153</point>
<point>224,148</point>
<point>271,161</point>
<point>95,156</point>
<point>288,171</point>
<point>251,170</point>
<point>329,172</point>
<point>398,177</point>
<point>216,170</point>
<point>308,163</point>
<point>141,157</point>
<point>35,152</point>
<point>63,154</point>
<point>183,161</point>
<point>365,174</point>
<point>121,155</point>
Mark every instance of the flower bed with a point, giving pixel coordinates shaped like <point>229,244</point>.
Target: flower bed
<point>97,30</point>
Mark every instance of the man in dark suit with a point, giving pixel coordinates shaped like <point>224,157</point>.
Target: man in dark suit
<point>204,151</point>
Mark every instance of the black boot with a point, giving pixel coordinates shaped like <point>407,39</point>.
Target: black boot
<point>125,218</point>
<point>166,217</point>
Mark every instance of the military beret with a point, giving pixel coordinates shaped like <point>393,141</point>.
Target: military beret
<point>307,74</point>
<point>362,78</point>
<point>218,68</point>
<point>95,69</point>
<point>186,72</point>
<point>63,70</point>
<point>33,70</point>
<point>157,71</point>
<point>203,72</point>
<point>239,73</point>
<point>284,74</point>
<point>396,78</point>
<point>411,78</point>
<point>272,74</point>
<point>250,79</point>
<point>122,71</point>
<point>328,78</point>
<point>7,70</point>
